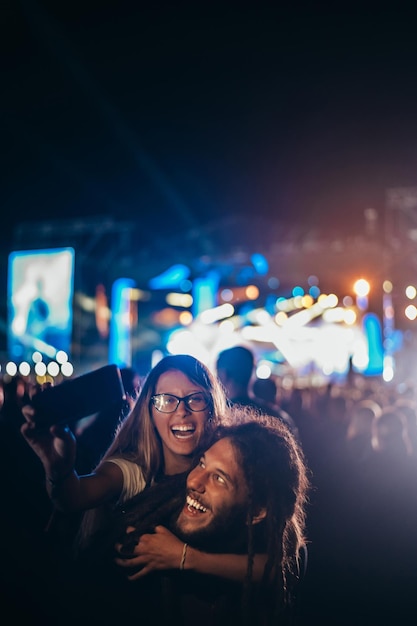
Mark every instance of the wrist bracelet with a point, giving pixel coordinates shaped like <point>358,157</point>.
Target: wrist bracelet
<point>184,554</point>
<point>60,479</point>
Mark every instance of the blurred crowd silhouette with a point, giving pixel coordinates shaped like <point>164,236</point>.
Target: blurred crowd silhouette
<point>360,441</point>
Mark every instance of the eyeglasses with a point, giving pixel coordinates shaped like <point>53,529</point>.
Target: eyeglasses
<point>168,403</point>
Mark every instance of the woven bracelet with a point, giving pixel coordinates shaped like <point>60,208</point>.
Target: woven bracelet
<point>184,555</point>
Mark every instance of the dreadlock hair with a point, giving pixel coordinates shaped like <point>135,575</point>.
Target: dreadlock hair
<point>277,478</point>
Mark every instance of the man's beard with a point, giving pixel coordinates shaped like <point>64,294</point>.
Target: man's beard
<point>226,532</point>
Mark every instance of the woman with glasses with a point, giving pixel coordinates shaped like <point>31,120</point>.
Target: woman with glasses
<point>180,403</point>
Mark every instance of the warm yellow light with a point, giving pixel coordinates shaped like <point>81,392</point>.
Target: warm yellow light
<point>350,317</point>
<point>307,301</point>
<point>252,292</point>
<point>281,318</point>
<point>179,299</point>
<point>185,318</point>
<point>361,287</point>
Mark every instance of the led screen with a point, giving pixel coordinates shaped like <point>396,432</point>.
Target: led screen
<point>40,291</point>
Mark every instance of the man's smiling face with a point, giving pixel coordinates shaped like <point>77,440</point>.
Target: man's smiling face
<point>217,496</point>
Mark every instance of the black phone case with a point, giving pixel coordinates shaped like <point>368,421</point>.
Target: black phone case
<point>79,397</point>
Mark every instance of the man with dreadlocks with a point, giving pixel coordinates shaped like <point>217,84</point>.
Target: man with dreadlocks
<point>246,495</point>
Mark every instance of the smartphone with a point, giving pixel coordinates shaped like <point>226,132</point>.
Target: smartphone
<point>79,397</point>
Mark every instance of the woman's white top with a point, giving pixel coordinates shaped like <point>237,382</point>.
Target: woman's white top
<point>133,479</point>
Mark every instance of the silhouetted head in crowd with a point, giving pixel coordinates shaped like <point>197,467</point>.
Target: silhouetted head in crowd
<point>265,389</point>
<point>408,407</point>
<point>234,368</point>
<point>390,433</point>
<point>362,416</point>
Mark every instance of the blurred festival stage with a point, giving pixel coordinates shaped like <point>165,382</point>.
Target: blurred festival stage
<point>290,295</point>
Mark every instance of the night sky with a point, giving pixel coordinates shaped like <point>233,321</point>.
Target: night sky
<point>180,114</point>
